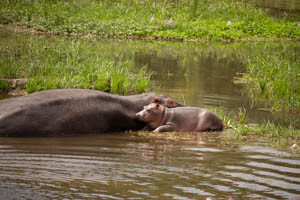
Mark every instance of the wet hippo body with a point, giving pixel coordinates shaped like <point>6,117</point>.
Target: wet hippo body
<point>181,119</point>
<point>73,111</point>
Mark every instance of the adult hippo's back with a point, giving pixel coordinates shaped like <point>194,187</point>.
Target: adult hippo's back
<point>73,111</point>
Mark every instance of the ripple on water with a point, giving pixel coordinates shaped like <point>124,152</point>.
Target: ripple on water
<point>131,170</point>
<point>275,159</point>
<point>263,150</point>
<point>192,190</point>
<point>200,149</point>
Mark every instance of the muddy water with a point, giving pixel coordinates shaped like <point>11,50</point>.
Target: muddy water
<point>291,5</point>
<point>122,167</point>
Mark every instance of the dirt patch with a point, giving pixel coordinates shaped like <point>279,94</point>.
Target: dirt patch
<point>14,87</point>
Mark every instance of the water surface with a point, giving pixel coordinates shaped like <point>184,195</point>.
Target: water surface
<point>118,166</point>
<point>291,5</point>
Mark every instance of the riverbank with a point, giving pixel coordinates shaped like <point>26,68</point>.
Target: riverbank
<point>167,20</point>
<point>237,131</point>
<point>272,76</point>
<point>227,138</point>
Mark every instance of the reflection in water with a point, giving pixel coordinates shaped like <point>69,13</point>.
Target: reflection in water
<point>194,75</point>
<point>120,167</point>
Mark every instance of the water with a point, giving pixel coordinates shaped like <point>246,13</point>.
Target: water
<point>291,5</point>
<point>119,166</point>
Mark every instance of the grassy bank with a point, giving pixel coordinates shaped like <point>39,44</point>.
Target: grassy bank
<point>62,63</point>
<point>179,20</point>
<point>238,122</point>
<point>226,138</point>
<point>273,76</point>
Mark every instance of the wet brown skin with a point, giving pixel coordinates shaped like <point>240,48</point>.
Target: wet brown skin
<point>73,111</point>
<point>179,119</point>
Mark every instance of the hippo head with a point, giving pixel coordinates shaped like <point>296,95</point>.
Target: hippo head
<point>168,102</point>
<point>151,114</point>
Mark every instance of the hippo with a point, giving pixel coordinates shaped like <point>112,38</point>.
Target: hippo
<point>74,111</point>
<point>179,119</point>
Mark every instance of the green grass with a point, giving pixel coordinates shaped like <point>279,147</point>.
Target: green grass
<point>238,122</point>
<point>4,86</point>
<point>67,63</point>
<point>273,76</point>
<point>191,20</point>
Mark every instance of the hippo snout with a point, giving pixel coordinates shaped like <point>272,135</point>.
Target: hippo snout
<point>138,115</point>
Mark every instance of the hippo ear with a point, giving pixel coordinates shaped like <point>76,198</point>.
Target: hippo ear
<point>157,107</point>
<point>170,102</point>
<point>155,100</point>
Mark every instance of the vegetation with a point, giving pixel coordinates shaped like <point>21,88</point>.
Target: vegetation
<point>273,73</point>
<point>165,19</point>
<point>241,126</point>
<point>63,63</point>
<point>281,137</point>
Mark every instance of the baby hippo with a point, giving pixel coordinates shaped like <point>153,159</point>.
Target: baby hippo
<point>180,119</point>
